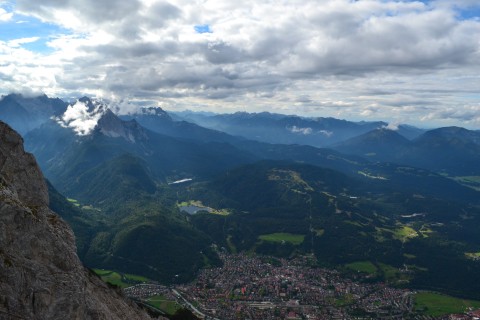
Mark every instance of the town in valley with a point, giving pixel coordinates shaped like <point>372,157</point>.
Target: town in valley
<point>260,287</point>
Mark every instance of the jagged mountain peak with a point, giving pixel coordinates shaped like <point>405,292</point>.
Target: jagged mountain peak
<point>87,115</point>
<point>108,116</point>
<point>88,102</point>
<point>112,126</point>
<point>82,116</point>
<point>154,111</point>
<point>26,112</point>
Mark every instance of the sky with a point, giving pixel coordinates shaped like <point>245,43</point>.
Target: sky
<point>414,62</point>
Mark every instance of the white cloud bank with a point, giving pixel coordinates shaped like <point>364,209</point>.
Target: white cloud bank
<point>373,58</point>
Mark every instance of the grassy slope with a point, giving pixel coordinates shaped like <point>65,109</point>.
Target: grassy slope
<point>294,239</point>
<point>161,302</point>
<point>362,266</point>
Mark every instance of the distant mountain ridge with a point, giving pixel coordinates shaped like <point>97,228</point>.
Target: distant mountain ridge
<point>451,150</point>
<point>186,150</point>
<point>157,120</point>
<point>27,113</point>
<point>289,129</point>
<point>437,150</point>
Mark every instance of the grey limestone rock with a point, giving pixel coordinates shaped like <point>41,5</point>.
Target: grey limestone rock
<point>41,276</point>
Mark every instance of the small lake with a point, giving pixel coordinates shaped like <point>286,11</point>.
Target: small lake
<point>191,209</point>
<point>180,181</point>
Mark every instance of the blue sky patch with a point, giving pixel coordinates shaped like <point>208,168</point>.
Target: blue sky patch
<point>471,12</point>
<point>203,28</point>
<point>39,46</point>
<point>21,26</point>
<point>26,27</point>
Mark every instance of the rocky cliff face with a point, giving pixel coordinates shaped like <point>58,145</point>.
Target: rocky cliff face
<point>41,276</point>
<point>111,126</point>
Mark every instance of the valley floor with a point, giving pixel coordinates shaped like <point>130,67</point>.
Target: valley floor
<point>259,287</point>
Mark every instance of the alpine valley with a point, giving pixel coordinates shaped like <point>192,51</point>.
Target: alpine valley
<point>164,195</point>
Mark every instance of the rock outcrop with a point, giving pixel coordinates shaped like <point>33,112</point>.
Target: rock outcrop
<point>41,276</point>
<point>111,126</point>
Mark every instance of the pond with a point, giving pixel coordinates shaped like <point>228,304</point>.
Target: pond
<point>192,209</point>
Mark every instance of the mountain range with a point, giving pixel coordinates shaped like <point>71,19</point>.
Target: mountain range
<point>289,129</point>
<point>350,191</point>
<point>451,150</point>
<point>27,113</point>
<point>41,274</point>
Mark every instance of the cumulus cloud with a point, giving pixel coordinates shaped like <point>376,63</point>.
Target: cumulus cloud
<point>375,57</point>
<point>81,117</point>
<point>15,43</point>
<point>4,15</point>
<point>393,126</point>
<point>124,106</point>
<point>326,133</point>
<point>304,131</point>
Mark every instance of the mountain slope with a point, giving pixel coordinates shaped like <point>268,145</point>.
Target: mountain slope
<point>64,156</point>
<point>379,145</point>
<point>125,176</point>
<point>41,275</point>
<point>453,150</point>
<point>342,220</point>
<point>123,222</point>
